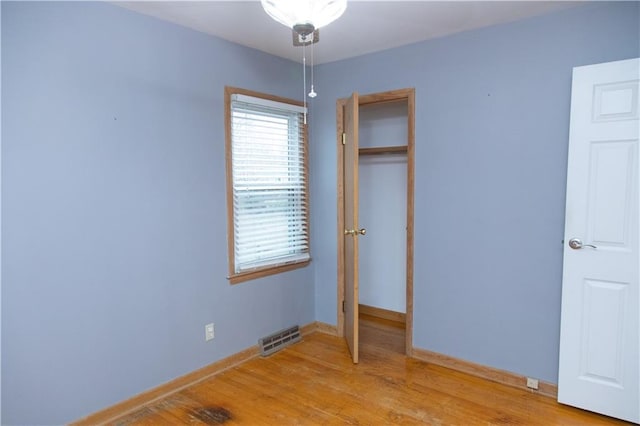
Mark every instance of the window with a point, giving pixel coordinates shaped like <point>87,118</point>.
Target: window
<point>267,185</point>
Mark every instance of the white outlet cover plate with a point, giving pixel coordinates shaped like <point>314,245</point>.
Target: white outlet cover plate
<point>208,332</point>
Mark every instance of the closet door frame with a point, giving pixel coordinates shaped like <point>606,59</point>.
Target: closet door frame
<point>401,95</point>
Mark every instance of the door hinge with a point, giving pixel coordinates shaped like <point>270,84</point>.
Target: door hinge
<point>343,310</point>
<point>344,139</point>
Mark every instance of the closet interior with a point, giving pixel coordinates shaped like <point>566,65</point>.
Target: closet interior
<point>382,181</point>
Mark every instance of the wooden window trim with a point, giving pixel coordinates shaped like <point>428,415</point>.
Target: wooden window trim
<point>234,277</point>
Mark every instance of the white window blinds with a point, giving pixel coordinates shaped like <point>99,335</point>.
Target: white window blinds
<point>269,185</point>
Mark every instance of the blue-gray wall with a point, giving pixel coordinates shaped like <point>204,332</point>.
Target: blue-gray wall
<point>492,124</point>
<point>113,195</point>
<point>114,215</point>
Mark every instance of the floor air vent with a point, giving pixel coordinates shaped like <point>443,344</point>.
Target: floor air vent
<point>279,340</point>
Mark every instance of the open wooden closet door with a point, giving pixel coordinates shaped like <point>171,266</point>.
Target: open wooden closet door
<point>348,232</point>
<point>351,231</point>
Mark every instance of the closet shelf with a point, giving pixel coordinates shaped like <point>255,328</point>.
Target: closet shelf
<point>383,150</point>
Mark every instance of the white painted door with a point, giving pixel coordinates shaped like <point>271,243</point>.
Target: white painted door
<point>599,356</point>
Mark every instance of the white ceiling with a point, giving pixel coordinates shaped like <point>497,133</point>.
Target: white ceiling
<point>365,27</point>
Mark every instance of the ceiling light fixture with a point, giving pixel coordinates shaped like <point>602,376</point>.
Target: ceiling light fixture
<point>305,17</point>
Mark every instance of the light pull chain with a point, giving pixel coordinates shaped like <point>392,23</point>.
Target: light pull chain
<point>312,93</point>
<point>304,80</point>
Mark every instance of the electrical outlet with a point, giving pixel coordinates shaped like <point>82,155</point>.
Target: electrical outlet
<point>532,383</point>
<point>208,332</point>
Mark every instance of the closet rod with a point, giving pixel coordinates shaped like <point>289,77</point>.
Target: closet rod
<point>383,150</point>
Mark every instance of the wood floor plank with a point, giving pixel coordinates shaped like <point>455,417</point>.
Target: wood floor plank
<point>314,382</point>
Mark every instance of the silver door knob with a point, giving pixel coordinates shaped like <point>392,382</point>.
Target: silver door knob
<point>576,244</point>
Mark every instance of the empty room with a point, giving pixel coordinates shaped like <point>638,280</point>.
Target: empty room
<point>320,212</point>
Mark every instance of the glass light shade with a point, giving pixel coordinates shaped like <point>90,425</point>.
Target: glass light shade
<point>315,12</point>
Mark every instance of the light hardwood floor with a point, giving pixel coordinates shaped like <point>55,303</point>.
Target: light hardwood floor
<point>314,383</point>
<point>377,333</point>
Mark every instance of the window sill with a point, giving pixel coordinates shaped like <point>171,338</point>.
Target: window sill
<point>264,272</point>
